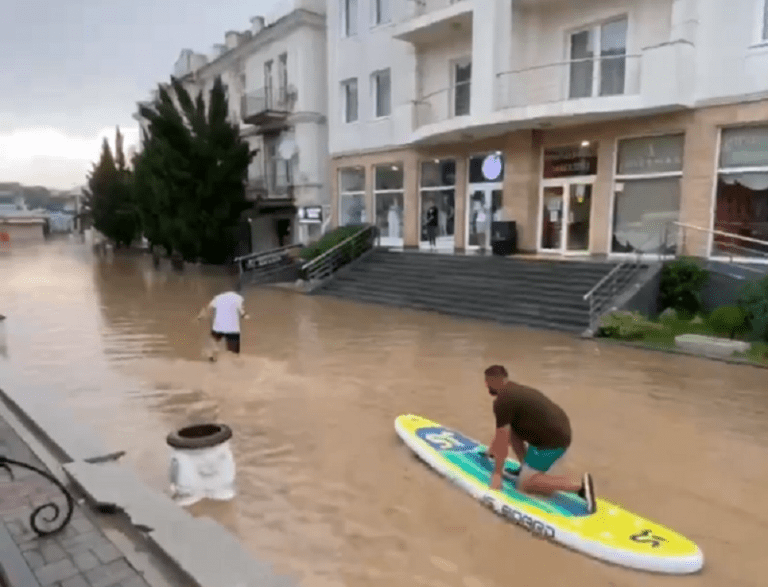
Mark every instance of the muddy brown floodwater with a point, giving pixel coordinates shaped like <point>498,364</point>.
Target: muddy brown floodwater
<point>327,491</point>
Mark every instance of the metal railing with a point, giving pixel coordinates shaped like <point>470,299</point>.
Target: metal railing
<point>597,77</point>
<point>443,104</point>
<point>736,254</point>
<point>417,8</point>
<point>320,269</point>
<point>271,99</point>
<point>604,293</point>
<point>268,266</point>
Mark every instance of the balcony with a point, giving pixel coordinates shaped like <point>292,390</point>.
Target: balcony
<point>573,86</point>
<point>452,103</point>
<point>275,185</point>
<point>267,105</point>
<point>660,79</point>
<point>433,20</point>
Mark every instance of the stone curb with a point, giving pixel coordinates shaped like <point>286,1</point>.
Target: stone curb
<point>674,351</point>
<point>201,548</point>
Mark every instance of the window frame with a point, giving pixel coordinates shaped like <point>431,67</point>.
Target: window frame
<point>375,81</point>
<point>345,85</point>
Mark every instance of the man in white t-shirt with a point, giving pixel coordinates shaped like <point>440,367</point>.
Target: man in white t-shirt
<point>227,310</point>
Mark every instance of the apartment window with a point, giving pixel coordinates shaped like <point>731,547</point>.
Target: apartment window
<point>349,91</point>
<point>351,196</point>
<point>461,76</point>
<point>381,13</point>
<point>741,200</point>
<point>349,17</point>
<point>282,75</point>
<point>382,93</point>
<point>598,58</point>
<point>268,84</point>
<point>647,194</point>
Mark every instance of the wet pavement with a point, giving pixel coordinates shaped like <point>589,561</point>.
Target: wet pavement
<point>327,492</point>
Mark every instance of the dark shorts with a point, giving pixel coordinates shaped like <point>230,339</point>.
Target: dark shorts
<point>431,232</point>
<point>233,340</point>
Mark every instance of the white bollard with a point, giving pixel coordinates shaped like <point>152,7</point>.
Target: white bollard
<point>202,464</point>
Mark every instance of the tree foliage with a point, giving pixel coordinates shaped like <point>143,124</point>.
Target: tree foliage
<point>189,176</point>
<point>108,201</point>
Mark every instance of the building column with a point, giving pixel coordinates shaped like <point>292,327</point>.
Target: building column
<point>370,179</point>
<point>603,196</point>
<point>697,184</point>
<point>460,203</point>
<point>411,222</point>
<point>521,186</point>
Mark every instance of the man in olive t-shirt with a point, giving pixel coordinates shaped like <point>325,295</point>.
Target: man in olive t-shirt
<point>526,416</point>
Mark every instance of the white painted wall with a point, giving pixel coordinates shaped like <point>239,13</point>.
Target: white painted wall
<point>371,49</point>
<point>732,59</point>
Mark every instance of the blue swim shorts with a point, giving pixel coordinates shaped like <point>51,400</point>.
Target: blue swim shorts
<point>542,459</point>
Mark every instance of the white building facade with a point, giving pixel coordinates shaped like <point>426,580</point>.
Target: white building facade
<point>275,77</point>
<point>593,126</point>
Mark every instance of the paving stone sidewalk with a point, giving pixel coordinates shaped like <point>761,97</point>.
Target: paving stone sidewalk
<point>80,555</point>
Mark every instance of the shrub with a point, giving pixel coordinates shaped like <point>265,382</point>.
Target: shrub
<point>626,326</point>
<point>728,320</point>
<point>328,241</point>
<point>754,302</point>
<point>681,285</point>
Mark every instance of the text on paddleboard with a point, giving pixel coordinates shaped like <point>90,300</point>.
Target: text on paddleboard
<point>534,526</point>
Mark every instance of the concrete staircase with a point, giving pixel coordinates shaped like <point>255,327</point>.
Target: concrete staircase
<point>534,293</point>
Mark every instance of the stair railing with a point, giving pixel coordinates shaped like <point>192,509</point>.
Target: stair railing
<point>605,291</point>
<point>322,268</point>
<point>265,265</point>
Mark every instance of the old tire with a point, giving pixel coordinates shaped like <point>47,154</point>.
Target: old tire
<point>199,436</point>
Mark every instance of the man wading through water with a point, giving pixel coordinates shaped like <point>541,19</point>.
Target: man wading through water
<point>525,415</point>
<point>227,308</point>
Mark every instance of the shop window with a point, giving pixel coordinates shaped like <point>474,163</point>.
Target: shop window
<point>647,195</point>
<point>741,198</point>
<point>352,196</point>
<point>389,205</point>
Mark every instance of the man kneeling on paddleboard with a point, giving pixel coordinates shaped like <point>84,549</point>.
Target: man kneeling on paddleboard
<point>525,415</point>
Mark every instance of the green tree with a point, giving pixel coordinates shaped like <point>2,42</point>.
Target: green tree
<point>108,201</point>
<point>189,177</point>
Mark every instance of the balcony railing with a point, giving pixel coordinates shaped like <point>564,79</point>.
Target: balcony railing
<point>443,104</point>
<point>417,8</point>
<point>599,77</point>
<point>276,183</point>
<point>266,104</point>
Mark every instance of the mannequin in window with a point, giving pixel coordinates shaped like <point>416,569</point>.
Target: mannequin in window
<point>393,221</point>
<point>431,225</point>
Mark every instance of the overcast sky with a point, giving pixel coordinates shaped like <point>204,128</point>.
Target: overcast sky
<point>71,70</point>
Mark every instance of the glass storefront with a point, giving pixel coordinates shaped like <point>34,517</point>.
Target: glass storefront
<point>352,196</point>
<point>438,203</point>
<point>484,205</point>
<point>647,195</point>
<point>741,200</point>
<point>388,196</point>
<point>566,198</point>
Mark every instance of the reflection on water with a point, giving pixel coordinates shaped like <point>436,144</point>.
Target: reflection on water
<point>326,490</point>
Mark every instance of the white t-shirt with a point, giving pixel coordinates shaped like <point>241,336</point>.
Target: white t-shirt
<point>227,308</point>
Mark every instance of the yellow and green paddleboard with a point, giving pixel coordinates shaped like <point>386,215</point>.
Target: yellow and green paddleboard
<point>611,533</point>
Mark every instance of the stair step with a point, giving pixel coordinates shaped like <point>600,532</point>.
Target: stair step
<point>569,324</point>
<point>477,297</point>
<point>485,281</point>
<point>556,309</point>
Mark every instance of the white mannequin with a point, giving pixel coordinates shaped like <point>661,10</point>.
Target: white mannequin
<point>393,221</point>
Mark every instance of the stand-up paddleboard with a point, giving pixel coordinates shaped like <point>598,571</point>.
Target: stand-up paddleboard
<point>611,533</point>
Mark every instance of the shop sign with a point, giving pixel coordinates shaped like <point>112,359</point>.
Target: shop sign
<point>744,147</point>
<point>647,155</point>
<point>311,215</point>
<point>570,162</point>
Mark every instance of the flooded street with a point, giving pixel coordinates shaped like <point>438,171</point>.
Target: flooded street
<point>327,491</point>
